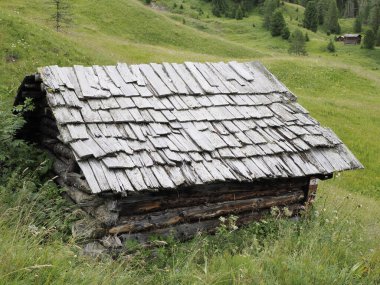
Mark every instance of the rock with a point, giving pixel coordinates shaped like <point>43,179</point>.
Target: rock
<point>111,242</point>
<point>87,229</point>
<point>104,215</point>
<point>94,249</point>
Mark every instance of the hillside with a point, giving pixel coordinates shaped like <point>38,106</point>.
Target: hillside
<point>341,90</point>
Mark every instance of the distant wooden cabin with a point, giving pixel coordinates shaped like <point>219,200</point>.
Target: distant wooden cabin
<point>170,148</point>
<point>352,39</point>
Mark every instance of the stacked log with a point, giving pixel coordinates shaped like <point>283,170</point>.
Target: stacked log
<point>188,211</point>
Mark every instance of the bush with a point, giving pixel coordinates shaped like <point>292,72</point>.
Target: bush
<point>24,180</point>
<point>14,153</point>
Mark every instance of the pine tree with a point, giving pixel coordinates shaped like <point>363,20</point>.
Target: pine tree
<point>349,9</point>
<point>330,46</point>
<point>285,33</point>
<point>364,9</point>
<point>369,40</point>
<point>277,23</point>
<point>239,13</point>
<point>297,43</point>
<point>331,20</point>
<point>219,7</point>
<point>310,20</point>
<point>269,7</point>
<point>374,16</point>
<point>322,6</point>
<point>357,25</point>
<point>61,15</point>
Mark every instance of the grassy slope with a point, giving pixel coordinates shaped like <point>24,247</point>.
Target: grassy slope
<point>342,91</point>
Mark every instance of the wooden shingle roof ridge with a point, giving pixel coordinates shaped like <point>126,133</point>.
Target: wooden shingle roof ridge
<point>163,126</point>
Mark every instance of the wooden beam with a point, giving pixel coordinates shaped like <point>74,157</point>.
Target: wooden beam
<point>197,213</point>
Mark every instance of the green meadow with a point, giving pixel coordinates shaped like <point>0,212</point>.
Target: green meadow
<point>337,242</point>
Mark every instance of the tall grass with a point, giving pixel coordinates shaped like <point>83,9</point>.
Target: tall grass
<point>335,243</point>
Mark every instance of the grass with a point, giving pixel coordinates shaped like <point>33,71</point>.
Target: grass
<point>337,243</point>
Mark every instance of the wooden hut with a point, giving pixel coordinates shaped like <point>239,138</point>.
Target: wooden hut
<point>170,148</point>
<point>352,39</point>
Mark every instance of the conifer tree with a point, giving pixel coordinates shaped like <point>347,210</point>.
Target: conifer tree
<point>357,25</point>
<point>331,20</point>
<point>310,20</point>
<point>330,46</point>
<point>277,23</point>
<point>285,33</point>
<point>374,16</point>
<point>269,7</point>
<point>297,43</point>
<point>322,7</point>
<point>364,10</point>
<point>61,15</point>
<point>369,39</point>
<point>377,41</point>
<point>378,38</point>
<point>219,7</point>
<point>239,13</point>
<point>349,9</point>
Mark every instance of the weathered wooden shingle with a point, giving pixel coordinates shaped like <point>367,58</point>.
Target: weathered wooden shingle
<point>155,126</point>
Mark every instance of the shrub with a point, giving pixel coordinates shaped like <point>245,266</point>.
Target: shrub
<point>24,180</point>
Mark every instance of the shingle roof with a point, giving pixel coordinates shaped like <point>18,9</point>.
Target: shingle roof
<point>352,35</point>
<point>155,126</point>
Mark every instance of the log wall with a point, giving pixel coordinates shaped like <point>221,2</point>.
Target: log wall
<point>185,212</point>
